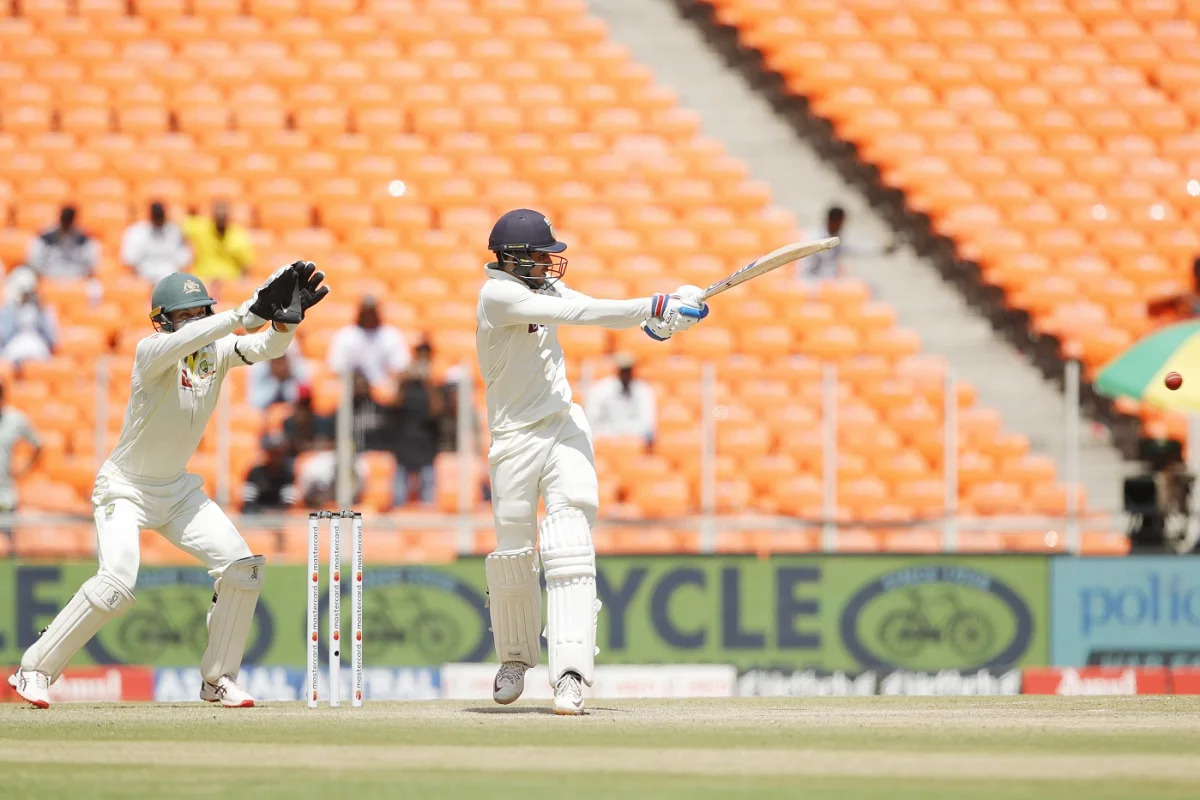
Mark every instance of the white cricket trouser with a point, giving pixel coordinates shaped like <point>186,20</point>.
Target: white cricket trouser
<point>552,459</point>
<point>178,509</point>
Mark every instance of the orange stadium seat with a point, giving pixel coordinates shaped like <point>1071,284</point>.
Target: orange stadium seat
<point>389,157</point>
<point>1071,102</point>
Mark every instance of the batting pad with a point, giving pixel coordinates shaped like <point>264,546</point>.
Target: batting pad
<point>101,598</point>
<point>570,563</point>
<point>232,613</point>
<point>515,603</point>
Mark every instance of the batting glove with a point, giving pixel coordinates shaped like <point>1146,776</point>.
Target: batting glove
<point>671,314</point>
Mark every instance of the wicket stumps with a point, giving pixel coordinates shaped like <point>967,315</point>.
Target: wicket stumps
<point>336,519</point>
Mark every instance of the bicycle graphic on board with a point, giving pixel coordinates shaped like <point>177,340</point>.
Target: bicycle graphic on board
<point>906,632</point>
<point>404,618</point>
<point>162,622</point>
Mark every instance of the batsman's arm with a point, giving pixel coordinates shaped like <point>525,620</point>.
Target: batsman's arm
<point>160,352</point>
<point>510,304</point>
<point>264,345</point>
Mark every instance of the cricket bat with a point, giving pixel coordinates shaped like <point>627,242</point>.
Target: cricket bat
<point>773,260</point>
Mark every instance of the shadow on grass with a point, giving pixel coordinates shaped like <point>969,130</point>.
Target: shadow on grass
<point>542,710</point>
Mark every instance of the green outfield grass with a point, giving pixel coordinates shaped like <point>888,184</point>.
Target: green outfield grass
<point>893,748</point>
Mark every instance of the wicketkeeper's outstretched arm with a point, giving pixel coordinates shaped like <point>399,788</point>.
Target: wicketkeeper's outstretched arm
<point>160,352</point>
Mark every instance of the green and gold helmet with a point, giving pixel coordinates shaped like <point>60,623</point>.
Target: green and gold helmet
<point>177,292</point>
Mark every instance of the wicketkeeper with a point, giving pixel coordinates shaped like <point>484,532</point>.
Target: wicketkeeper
<point>177,377</point>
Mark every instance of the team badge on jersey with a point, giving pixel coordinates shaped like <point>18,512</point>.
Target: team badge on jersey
<point>199,367</point>
<point>109,509</point>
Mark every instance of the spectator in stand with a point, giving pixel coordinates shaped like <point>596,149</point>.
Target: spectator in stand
<point>305,429</point>
<point>827,265</point>
<point>413,425</point>
<point>380,351</point>
<point>278,380</point>
<point>28,329</point>
<point>1181,306</point>
<point>270,484</point>
<point>621,405</point>
<point>314,435</point>
<point>65,251</point>
<point>155,248</point>
<point>370,417</point>
<point>14,427</point>
<point>223,250</point>
<point>317,479</point>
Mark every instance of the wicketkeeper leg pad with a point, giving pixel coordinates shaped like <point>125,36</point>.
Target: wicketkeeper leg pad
<point>570,563</point>
<point>231,617</point>
<point>101,598</point>
<point>515,603</point>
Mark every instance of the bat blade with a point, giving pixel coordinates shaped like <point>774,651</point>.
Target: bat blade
<point>771,261</point>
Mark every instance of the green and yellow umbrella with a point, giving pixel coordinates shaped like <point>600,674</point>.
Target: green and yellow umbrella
<point>1138,373</point>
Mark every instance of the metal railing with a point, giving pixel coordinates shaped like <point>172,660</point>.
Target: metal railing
<point>469,517</point>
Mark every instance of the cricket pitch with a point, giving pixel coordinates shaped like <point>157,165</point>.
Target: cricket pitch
<point>893,748</point>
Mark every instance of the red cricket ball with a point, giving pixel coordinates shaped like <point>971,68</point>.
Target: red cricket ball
<point>1173,380</point>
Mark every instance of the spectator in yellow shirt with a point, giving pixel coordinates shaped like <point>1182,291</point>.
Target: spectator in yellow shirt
<point>223,250</point>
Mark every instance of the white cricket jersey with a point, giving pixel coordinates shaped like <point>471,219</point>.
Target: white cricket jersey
<point>516,340</point>
<point>176,381</point>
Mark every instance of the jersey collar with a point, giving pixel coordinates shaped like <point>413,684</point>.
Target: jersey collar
<point>501,275</point>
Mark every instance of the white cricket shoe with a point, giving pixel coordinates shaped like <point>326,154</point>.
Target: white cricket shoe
<point>32,686</point>
<point>509,683</point>
<point>226,692</point>
<point>568,695</point>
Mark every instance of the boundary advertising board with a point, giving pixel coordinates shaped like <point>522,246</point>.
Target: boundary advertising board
<point>852,613</point>
<point>1128,611</point>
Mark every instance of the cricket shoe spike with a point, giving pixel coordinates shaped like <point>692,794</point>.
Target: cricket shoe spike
<point>226,692</point>
<point>32,686</point>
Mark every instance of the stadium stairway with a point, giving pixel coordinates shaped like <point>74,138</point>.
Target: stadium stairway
<point>805,184</point>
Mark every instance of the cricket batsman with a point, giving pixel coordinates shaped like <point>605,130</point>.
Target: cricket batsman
<point>177,377</point>
<point>542,445</point>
